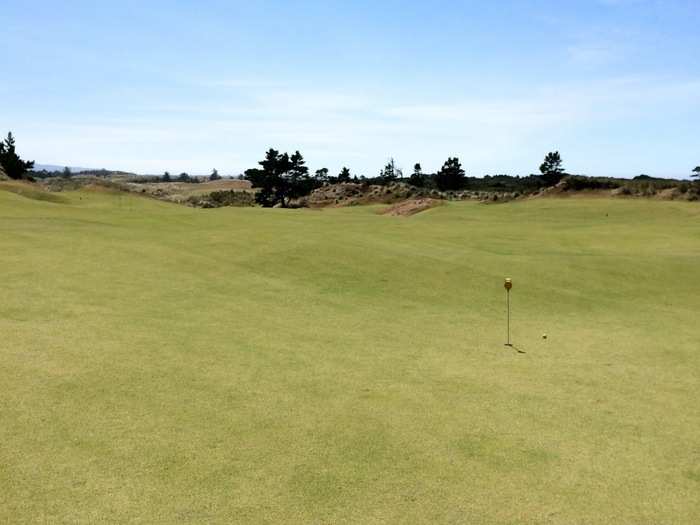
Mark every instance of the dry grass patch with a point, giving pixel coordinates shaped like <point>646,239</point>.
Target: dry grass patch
<point>411,207</point>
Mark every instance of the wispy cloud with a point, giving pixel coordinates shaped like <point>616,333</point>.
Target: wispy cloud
<point>334,127</point>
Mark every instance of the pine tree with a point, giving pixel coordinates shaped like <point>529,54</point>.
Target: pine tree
<point>551,168</point>
<point>321,176</point>
<point>282,178</point>
<point>298,180</point>
<point>14,166</point>
<point>344,175</point>
<point>268,180</point>
<point>451,176</point>
<point>417,178</point>
<point>390,173</point>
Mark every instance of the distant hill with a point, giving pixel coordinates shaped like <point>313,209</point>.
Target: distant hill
<point>51,170</point>
<point>56,167</point>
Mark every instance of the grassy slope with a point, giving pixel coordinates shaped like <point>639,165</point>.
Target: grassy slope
<point>163,364</point>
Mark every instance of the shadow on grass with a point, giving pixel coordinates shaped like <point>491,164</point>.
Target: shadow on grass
<point>518,349</point>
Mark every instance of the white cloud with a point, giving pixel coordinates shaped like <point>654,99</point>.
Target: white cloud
<point>336,127</point>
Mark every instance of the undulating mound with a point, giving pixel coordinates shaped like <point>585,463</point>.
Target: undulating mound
<point>29,190</point>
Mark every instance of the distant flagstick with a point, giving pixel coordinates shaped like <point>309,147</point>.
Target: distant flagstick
<point>508,284</point>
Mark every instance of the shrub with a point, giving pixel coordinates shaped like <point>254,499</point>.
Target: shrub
<point>219,199</point>
<point>579,182</point>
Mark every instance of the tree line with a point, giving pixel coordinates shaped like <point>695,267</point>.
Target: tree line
<point>281,178</point>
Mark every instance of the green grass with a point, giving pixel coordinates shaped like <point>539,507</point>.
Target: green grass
<point>161,364</point>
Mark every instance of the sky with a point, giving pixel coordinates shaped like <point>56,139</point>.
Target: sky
<point>614,85</point>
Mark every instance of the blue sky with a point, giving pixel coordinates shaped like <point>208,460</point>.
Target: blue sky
<point>614,85</point>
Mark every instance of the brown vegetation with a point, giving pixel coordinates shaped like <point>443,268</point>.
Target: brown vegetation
<point>411,207</point>
<point>353,194</point>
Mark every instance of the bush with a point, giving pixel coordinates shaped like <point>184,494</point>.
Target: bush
<point>219,199</point>
<point>579,182</point>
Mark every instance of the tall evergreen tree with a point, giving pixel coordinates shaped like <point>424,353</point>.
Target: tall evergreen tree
<point>321,175</point>
<point>390,173</point>
<point>451,176</point>
<point>14,166</point>
<point>344,175</point>
<point>696,172</point>
<point>301,183</point>
<point>417,178</point>
<point>268,180</point>
<point>551,169</point>
<point>67,173</point>
<point>166,177</point>
<point>214,175</point>
<point>281,179</point>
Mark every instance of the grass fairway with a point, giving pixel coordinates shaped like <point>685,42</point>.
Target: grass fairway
<point>161,364</point>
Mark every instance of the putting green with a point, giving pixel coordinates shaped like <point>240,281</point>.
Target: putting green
<point>161,364</point>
